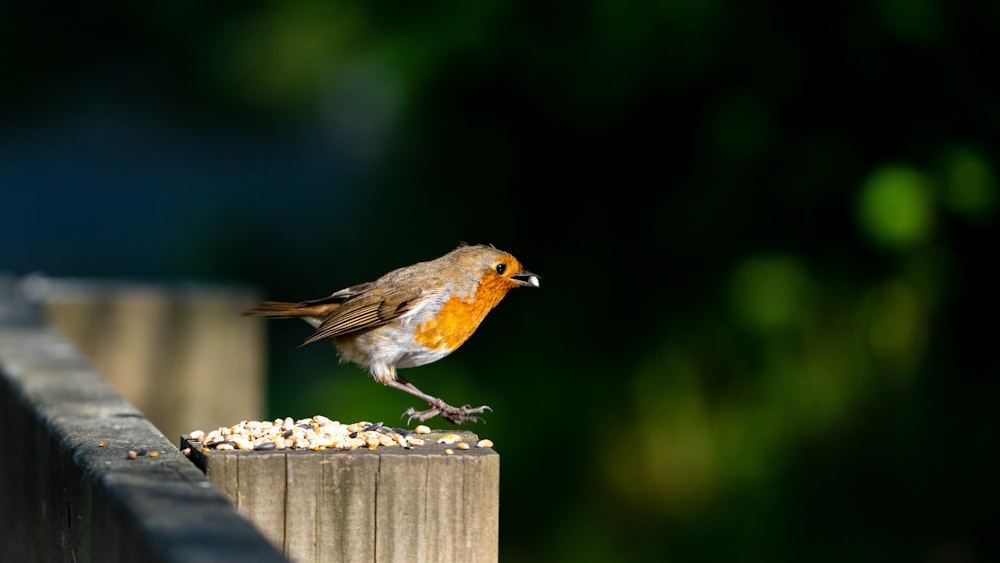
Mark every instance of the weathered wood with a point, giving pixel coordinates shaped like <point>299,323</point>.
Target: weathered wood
<point>260,493</point>
<point>480,534</point>
<point>347,520</point>
<point>399,511</point>
<point>164,346</point>
<point>390,504</point>
<point>445,510</point>
<point>301,508</point>
<point>65,497</point>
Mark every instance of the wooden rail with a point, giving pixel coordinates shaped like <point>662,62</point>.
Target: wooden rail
<point>162,346</point>
<point>68,490</point>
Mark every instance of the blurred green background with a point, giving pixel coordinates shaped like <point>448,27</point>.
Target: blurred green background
<point>765,233</point>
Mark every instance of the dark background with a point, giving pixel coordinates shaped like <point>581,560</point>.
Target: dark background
<point>765,233</point>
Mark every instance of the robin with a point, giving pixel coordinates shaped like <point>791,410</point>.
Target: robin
<point>412,316</point>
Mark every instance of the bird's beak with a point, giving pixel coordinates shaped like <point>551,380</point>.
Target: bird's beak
<point>525,278</point>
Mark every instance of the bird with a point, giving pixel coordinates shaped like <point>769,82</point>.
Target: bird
<point>412,316</point>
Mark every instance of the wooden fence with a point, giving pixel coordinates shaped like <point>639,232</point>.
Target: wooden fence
<point>87,477</point>
<point>68,488</point>
<point>165,348</point>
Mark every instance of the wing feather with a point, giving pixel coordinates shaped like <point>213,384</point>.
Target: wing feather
<point>365,310</point>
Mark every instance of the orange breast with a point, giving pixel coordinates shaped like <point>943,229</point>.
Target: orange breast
<point>459,317</point>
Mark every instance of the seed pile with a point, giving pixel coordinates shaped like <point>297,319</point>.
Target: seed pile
<point>315,433</point>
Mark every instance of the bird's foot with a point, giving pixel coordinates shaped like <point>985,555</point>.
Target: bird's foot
<point>454,415</point>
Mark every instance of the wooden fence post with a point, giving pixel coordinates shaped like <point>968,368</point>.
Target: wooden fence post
<point>390,504</point>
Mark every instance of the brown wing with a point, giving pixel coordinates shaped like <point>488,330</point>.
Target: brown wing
<point>364,310</point>
<point>340,296</point>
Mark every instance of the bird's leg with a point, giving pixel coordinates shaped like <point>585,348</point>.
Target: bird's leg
<point>455,415</point>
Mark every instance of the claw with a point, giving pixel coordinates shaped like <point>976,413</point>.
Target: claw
<point>412,413</point>
<point>454,415</point>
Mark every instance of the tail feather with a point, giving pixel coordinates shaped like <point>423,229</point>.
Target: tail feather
<point>281,309</point>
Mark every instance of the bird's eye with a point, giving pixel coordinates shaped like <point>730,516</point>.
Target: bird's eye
<point>501,268</point>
